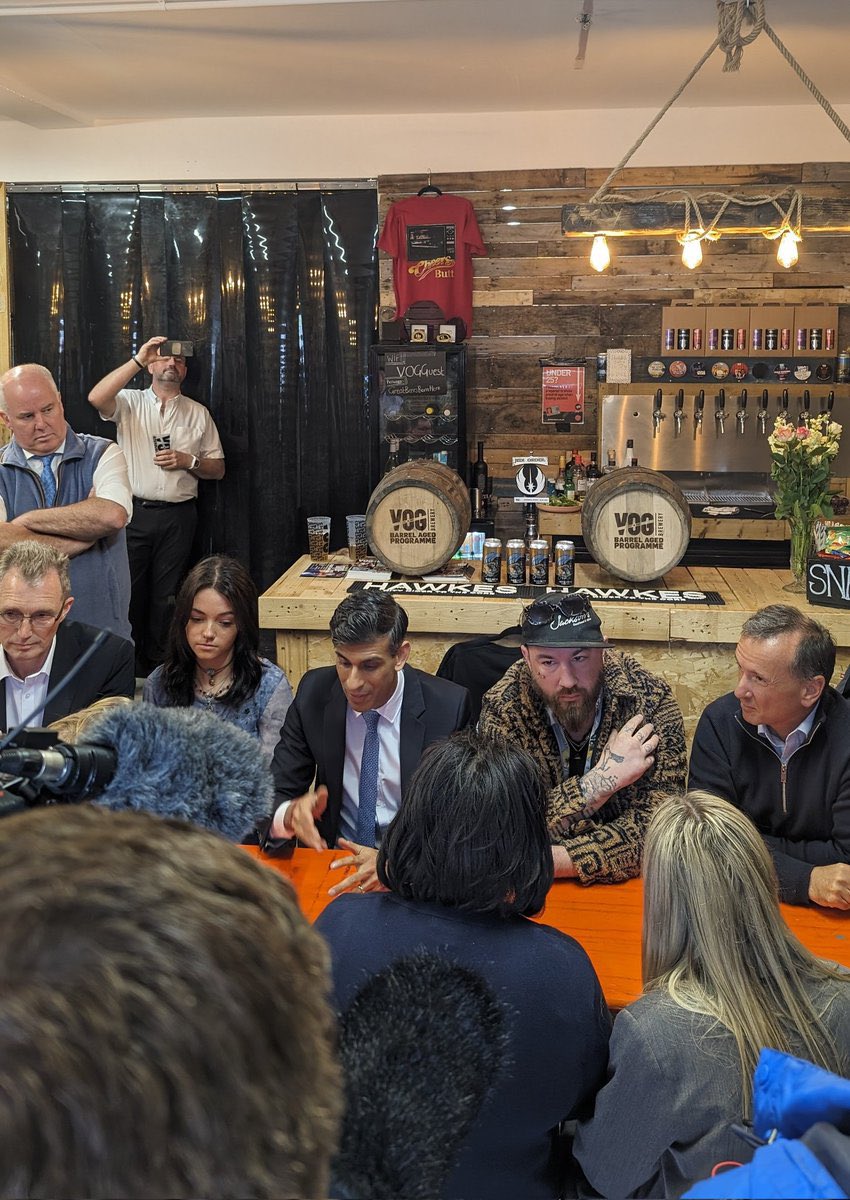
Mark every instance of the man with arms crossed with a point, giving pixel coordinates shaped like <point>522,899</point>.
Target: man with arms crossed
<point>67,489</point>
<point>778,748</point>
<point>607,735</point>
<point>359,728</point>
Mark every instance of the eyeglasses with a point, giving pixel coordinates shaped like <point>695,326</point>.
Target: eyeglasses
<point>40,621</point>
<point>543,610</point>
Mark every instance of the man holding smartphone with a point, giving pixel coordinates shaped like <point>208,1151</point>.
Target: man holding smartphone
<point>170,442</point>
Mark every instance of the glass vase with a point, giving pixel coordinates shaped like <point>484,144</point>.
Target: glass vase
<point>801,544</point>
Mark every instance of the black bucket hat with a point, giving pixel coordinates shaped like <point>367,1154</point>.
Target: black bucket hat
<point>562,621</point>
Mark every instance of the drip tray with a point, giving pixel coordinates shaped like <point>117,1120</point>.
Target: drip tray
<point>700,496</point>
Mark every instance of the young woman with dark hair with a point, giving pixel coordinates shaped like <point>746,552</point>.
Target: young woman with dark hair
<point>467,860</point>
<point>213,658</point>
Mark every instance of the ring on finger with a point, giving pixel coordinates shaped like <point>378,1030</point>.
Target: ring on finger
<point>360,887</point>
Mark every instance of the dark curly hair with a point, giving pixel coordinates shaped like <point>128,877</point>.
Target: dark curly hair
<point>230,579</point>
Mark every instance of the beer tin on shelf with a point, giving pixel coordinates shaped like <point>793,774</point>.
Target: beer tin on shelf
<point>491,561</point>
<point>538,562</point>
<point>565,564</point>
<point>515,555</point>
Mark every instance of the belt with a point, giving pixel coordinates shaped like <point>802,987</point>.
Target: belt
<point>162,503</point>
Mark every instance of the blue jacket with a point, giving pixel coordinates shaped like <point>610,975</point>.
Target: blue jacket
<point>100,577</point>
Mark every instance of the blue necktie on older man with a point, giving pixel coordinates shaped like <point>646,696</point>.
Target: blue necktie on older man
<point>48,479</point>
<point>367,793</point>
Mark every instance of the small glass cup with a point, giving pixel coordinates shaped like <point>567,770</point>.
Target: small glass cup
<point>358,547</point>
<point>319,537</point>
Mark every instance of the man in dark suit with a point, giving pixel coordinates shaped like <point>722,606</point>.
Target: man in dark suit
<point>354,735</point>
<point>38,646</point>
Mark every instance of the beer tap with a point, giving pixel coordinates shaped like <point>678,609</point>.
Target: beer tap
<point>657,414</point>
<point>699,402</point>
<point>805,407</point>
<point>678,411</point>
<point>830,400</point>
<point>783,405</point>
<point>762,417</point>
<point>720,410</point>
<point>742,414</point>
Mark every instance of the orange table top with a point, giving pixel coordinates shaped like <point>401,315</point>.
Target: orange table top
<point>606,919</point>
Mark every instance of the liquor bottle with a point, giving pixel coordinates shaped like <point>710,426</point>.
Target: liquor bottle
<point>630,454</point>
<point>559,478</point>
<point>580,476</point>
<point>593,472</point>
<point>480,473</point>
<point>570,481</point>
<point>394,456</point>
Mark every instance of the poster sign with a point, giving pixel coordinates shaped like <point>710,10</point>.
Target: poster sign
<point>509,591</point>
<point>563,394</point>
<point>415,373</point>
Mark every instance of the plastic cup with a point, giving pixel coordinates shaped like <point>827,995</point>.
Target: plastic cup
<point>319,537</point>
<point>358,547</point>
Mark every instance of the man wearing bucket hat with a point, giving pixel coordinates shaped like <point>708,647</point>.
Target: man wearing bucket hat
<point>606,733</point>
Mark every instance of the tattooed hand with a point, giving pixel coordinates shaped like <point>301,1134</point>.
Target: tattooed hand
<point>628,754</point>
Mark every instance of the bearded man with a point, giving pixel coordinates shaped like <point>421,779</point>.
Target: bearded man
<point>606,733</point>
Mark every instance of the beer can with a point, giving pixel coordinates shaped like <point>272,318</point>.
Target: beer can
<point>842,374</point>
<point>802,338</point>
<point>830,339</point>
<point>515,554</point>
<point>683,339</point>
<point>785,338</point>
<point>757,339</point>
<point>740,339</point>
<point>669,339</point>
<point>696,339</point>
<point>815,339</point>
<point>602,364</point>
<point>565,564</point>
<point>538,562</point>
<point>727,339</point>
<point>491,561</point>
<point>771,339</point>
<point>713,339</point>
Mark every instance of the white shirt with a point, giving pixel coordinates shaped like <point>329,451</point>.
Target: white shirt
<point>139,418</point>
<point>110,481</point>
<point>25,697</point>
<point>389,763</point>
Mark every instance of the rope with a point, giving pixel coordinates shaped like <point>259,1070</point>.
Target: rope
<point>730,18</point>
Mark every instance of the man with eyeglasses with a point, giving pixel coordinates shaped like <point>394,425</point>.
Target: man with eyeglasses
<point>38,646</point>
<point>171,442</point>
<point>606,733</point>
<point>69,490</point>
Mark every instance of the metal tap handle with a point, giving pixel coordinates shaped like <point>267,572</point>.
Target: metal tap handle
<point>680,400</point>
<point>830,400</point>
<point>742,399</point>
<point>699,402</point>
<point>765,400</point>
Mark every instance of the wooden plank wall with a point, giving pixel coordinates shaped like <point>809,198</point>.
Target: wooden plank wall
<point>536,294</point>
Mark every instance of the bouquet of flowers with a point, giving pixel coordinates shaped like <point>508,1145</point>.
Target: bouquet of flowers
<point>801,456</point>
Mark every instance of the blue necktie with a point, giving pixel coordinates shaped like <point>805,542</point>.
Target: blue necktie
<point>367,794</point>
<point>48,480</point>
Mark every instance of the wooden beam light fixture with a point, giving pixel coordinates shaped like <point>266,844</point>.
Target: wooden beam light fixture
<point>682,212</point>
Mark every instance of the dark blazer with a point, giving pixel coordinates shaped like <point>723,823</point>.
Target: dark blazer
<point>312,740</point>
<point>109,672</point>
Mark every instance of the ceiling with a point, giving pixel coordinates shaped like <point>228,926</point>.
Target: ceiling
<point>94,62</point>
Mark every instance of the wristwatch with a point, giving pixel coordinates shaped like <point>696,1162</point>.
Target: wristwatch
<point>196,462</point>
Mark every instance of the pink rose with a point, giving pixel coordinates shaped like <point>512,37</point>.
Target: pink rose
<point>784,433</point>
<point>802,432</point>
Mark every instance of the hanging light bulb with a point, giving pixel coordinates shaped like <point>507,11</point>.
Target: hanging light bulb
<point>691,243</point>
<point>786,254</point>
<point>600,255</point>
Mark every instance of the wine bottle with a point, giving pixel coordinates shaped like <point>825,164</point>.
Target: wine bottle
<point>580,477</point>
<point>560,477</point>
<point>570,481</point>
<point>394,456</point>
<point>593,472</point>
<point>481,473</point>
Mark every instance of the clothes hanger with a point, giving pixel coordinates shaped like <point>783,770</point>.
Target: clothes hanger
<point>430,189</point>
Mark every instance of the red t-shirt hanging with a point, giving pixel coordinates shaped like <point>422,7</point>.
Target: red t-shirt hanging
<point>432,240</point>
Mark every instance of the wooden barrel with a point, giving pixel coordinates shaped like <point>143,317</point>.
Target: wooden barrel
<point>417,516</point>
<point>636,523</point>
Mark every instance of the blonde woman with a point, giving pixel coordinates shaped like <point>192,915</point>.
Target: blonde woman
<point>723,977</point>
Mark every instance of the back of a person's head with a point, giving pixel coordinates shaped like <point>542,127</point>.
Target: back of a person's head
<point>74,727</point>
<point>164,1028</point>
<point>714,938</point>
<point>471,831</point>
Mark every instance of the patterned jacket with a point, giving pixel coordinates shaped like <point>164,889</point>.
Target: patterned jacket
<point>607,847</point>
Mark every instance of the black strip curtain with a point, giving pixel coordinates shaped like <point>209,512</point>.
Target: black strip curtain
<point>278,291</point>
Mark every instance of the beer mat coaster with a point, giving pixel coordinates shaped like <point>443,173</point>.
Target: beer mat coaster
<point>510,591</point>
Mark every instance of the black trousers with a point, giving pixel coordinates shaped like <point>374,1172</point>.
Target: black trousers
<point>159,544</point>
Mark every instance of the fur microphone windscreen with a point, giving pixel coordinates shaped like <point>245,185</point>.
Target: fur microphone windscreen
<point>420,1046</point>
<point>184,763</point>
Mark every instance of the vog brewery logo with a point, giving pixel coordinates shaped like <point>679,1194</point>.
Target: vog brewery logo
<point>639,531</point>
<point>413,526</point>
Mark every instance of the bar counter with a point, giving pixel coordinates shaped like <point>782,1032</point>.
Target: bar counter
<point>690,645</point>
